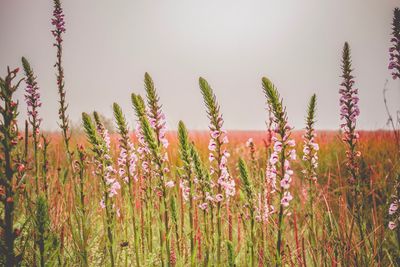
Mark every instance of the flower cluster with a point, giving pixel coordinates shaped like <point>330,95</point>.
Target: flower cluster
<point>394,50</point>
<point>127,158</point>
<point>32,97</point>
<point>310,147</point>
<point>158,124</point>
<point>143,149</point>
<point>112,185</point>
<point>310,155</point>
<point>58,21</point>
<point>280,152</point>
<point>185,189</point>
<point>264,209</point>
<point>394,213</point>
<point>278,166</point>
<point>217,139</point>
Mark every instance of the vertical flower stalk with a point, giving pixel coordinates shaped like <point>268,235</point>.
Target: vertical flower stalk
<point>100,141</point>
<point>160,172</point>
<point>187,182</point>
<point>283,152</point>
<point>12,168</point>
<point>394,50</point>
<point>32,98</point>
<point>247,187</point>
<point>218,159</point>
<point>394,66</point>
<point>42,223</point>
<point>204,187</point>
<point>349,112</point>
<point>157,122</point>
<point>310,157</point>
<point>145,176</point>
<point>127,169</point>
<point>59,29</point>
<point>155,113</point>
<point>82,235</point>
<point>310,163</point>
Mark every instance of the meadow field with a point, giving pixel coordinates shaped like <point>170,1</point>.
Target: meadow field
<point>107,193</point>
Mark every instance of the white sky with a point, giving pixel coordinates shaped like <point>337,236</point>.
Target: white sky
<point>109,45</point>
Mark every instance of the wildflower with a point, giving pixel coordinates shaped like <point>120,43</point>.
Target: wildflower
<point>285,183</point>
<point>185,190</point>
<point>127,162</point>
<point>349,112</point>
<point>21,167</point>
<point>170,184</point>
<point>211,157</point>
<point>393,208</point>
<point>9,136</point>
<point>287,197</point>
<point>155,113</point>
<point>272,166</point>
<point>203,206</point>
<point>278,146</point>
<point>218,198</point>
<point>279,164</point>
<point>310,147</point>
<point>392,225</point>
<point>32,98</point>
<point>59,29</point>
<point>58,21</point>
<point>249,142</point>
<point>214,134</point>
<point>218,139</point>
<point>102,204</point>
<point>212,145</point>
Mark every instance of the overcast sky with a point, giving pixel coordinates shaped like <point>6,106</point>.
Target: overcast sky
<point>109,45</point>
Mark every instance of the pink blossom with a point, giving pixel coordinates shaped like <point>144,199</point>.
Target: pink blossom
<point>278,146</point>
<point>249,142</point>
<point>291,143</point>
<point>212,145</point>
<point>170,184</point>
<point>218,198</point>
<point>32,98</point>
<point>203,206</point>
<point>392,225</point>
<point>215,134</point>
<point>393,208</point>
<point>102,204</point>
<point>211,157</point>
<point>58,22</point>
<point>274,158</point>
<point>293,155</point>
<point>287,197</point>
